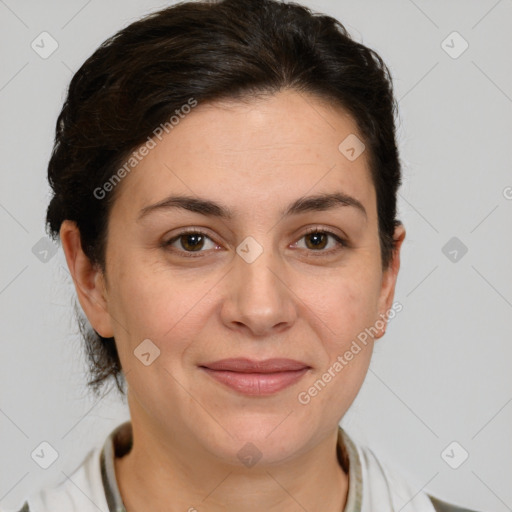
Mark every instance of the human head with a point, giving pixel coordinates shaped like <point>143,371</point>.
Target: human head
<point>206,51</point>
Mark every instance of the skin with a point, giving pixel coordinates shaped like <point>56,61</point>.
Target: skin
<point>295,301</point>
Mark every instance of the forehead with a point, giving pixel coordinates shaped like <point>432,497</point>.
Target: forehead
<point>250,153</point>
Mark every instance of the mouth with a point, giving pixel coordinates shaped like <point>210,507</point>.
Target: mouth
<point>256,378</point>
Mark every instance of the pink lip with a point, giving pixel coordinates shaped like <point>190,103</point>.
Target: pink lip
<point>256,377</point>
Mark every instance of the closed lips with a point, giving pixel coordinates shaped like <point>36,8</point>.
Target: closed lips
<point>244,365</point>
<point>256,378</point>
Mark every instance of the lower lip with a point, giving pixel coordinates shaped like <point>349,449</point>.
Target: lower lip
<point>257,384</point>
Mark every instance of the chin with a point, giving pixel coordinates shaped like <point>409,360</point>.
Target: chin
<point>259,438</point>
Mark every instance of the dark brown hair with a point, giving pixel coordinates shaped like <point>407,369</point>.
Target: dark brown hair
<point>230,49</point>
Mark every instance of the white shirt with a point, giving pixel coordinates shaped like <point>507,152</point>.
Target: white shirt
<point>92,487</point>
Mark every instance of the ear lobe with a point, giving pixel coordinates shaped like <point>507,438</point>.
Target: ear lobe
<point>389,278</point>
<point>88,279</point>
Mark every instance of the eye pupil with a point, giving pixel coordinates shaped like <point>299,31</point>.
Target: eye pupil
<point>196,239</point>
<point>319,239</point>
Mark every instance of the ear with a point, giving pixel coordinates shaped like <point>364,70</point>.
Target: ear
<point>389,278</point>
<point>88,279</point>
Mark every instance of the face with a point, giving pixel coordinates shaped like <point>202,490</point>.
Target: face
<point>270,278</point>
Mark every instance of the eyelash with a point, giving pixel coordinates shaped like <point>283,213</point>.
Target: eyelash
<point>342,243</point>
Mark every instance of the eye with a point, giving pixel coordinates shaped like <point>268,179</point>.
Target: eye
<point>194,241</point>
<point>190,241</point>
<point>317,239</point>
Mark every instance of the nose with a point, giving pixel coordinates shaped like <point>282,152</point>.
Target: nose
<point>258,300</point>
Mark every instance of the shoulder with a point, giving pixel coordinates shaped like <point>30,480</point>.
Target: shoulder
<point>443,506</point>
<point>25,508</point>
<point>384,488</point>
<point>81,490</point>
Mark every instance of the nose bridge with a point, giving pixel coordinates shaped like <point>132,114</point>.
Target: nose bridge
<point>260,298</point>
<point>258,278</point>
<point>257,270</point>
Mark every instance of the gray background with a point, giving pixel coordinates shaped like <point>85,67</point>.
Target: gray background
<point>443,371</point>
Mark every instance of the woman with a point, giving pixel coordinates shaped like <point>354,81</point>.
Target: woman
<point>225,178</point>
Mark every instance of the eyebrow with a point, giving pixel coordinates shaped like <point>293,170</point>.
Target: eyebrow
<point>319,202</point>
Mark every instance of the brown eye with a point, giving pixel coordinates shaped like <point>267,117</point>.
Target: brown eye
<point>316,240</point>
<point>192,241</point>
<point>189,242</point>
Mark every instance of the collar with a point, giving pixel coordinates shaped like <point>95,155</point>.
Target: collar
<point>119,443</point>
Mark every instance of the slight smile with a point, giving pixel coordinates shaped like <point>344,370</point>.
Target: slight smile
<point>256,378</point>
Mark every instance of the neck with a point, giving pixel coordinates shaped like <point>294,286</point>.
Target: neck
<point>150,478</point>
<point>172,471</point>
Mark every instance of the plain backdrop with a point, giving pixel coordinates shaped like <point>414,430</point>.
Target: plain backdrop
<point>442,373</point>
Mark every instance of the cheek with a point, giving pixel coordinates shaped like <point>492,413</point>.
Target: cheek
<point>345,304</point>
<point>146,302</point>
<point>347,310</point>
<point>349,344</point>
